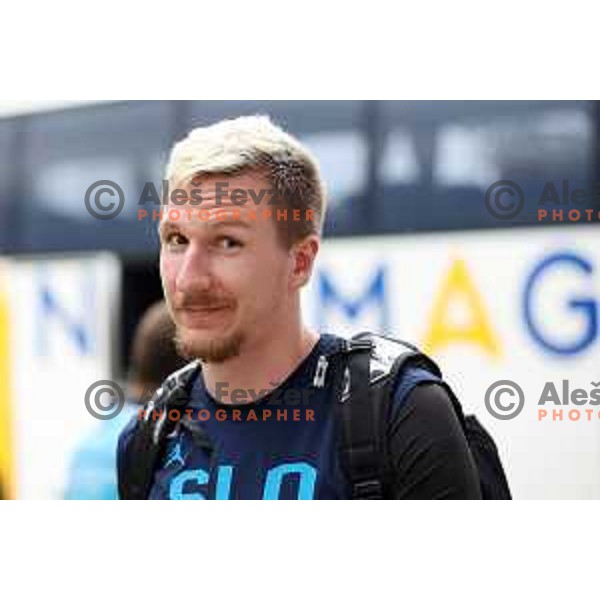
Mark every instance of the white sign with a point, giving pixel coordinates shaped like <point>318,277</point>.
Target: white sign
<point>61,322</point>
<point>519,305</point>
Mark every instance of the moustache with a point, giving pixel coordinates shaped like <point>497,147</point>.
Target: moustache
<point>203,302</point>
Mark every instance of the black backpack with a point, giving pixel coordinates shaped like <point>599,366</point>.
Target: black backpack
<point>364,370</point>
<point>367,370</point>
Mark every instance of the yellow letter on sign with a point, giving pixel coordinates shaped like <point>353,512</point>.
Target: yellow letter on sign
<point>458,291</point>
<point>6,458</point>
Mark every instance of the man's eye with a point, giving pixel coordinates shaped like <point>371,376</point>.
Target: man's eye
<point>174,239</point>
<point>228,243</point>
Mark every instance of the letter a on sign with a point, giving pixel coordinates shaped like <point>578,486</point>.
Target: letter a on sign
<point>459,292</point>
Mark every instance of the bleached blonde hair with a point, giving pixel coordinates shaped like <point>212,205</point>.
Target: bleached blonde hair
<point>255,144</point>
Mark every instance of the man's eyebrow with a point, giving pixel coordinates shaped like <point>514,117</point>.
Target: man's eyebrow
<point>165,226</point>
<point>230,222</point>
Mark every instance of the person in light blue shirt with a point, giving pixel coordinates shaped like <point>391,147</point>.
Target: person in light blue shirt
<point>92,473</point>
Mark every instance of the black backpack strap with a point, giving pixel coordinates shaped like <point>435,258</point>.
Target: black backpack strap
<point>143,449</point>
<point>373,364</point>
<point>360,445</point>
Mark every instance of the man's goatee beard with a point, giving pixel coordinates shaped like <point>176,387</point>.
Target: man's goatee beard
<point>211,351</point>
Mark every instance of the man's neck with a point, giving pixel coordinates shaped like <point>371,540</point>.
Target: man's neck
<point>260,367</point>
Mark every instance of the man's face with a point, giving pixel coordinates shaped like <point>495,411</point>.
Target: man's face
<point>227,282</point>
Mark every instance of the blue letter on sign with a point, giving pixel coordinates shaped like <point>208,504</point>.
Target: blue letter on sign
<point>50,307</point>
<point>375,293</point>
<point>585,306</point>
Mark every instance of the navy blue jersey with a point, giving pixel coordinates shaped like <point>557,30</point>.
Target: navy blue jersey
<point>284,446</point>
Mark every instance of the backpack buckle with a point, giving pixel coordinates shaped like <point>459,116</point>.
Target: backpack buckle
<point>321,370</point>
<point>367,490</point>
<point>357,345</point>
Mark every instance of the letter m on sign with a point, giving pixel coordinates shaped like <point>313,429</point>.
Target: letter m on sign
<point>366,310</point>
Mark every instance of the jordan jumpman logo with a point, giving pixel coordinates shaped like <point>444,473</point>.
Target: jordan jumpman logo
<point>175,456</point>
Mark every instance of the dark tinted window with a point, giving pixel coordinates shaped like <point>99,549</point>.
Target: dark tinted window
<point>66,152</point>
<point>439,158</point>
<point>7,172</point>
<point>389,166</point>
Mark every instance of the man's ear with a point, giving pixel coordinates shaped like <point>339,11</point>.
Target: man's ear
<point>304,254</point>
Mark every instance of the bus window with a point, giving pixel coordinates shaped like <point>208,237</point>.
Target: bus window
<point>7,173</point>
<point>67,151</point>
<point>440,158</point>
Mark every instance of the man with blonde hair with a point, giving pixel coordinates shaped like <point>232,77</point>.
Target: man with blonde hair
<point>256,412</point>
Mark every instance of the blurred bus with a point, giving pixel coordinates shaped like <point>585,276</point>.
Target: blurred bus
<point>390,167</point>
<point>408,236</point>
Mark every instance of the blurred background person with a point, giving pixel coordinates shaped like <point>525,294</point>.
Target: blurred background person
<point>92,475</point>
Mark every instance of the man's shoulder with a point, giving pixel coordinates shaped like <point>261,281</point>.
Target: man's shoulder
<point>181,378</point>
<point>385,352</point>
<point>401,360</point>
<point>125,436</point>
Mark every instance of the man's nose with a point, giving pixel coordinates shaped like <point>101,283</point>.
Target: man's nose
<point>194,273</point>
